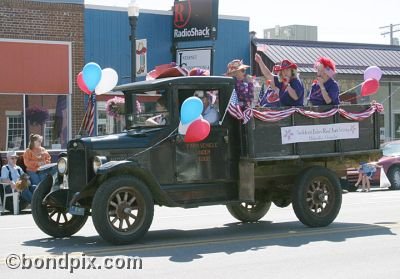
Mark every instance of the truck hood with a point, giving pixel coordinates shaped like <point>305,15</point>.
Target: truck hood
<point>126,140</point>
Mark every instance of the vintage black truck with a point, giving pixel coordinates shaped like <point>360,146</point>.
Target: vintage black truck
<point>119,178</point>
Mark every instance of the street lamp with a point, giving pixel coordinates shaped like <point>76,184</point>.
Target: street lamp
<point>133,13</point>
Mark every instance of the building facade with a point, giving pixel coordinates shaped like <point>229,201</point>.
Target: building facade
<point>292,32</point>
<point>44,44</point>
<point>41,51</point>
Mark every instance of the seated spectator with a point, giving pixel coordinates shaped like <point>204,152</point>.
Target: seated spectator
<point>11,173</point>
<point>36,156</point>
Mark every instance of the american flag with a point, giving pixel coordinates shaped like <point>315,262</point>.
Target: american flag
<point>236,111</point>
<point>88,119</point>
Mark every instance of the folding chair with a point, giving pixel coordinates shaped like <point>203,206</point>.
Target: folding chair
<point>15,197</point>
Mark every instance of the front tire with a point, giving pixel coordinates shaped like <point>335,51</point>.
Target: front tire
<point>317,197</point>
<point>249,212</point>
<point>54,221</point>
<point>122,210</point>
<point>394,177</point>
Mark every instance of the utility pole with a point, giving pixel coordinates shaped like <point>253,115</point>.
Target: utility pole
<point>391,31</point>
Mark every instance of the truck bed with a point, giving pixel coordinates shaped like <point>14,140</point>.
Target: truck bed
<point>262,141</point>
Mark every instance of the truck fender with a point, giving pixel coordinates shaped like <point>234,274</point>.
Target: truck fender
<point>133,168</point>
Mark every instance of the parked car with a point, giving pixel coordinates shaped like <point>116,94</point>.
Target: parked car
<point>390,162</point>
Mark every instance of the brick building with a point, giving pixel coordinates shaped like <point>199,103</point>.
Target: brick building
<point>41,53</point>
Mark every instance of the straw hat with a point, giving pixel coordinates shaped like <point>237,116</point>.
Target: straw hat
<point>235,65</point>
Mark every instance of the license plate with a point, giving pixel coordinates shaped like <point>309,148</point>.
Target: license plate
<point>74,210</point>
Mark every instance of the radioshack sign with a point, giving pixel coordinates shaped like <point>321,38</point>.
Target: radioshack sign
<point>195,20</point>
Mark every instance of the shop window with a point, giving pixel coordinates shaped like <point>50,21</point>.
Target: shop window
<point>108,123</point>
<point>47,115</point>
<point>49,136</point>
<point>15,131</point>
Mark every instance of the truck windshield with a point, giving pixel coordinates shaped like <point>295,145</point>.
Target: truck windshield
<point>150,109</point>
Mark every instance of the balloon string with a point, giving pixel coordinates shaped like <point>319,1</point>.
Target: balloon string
<point>154,145</point>
<point>351,89</point>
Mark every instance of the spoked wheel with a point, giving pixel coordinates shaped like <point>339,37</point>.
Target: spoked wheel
<point>122,210</point>
<point>249,212</point>
<point>54,221</point>
<point>317,197</point>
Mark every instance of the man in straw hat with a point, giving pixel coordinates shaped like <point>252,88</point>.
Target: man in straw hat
<point>291,89</point>
<point>244,85</point>
<point>324,90</point>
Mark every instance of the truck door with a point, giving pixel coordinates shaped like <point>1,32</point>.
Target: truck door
<point>208,160</point>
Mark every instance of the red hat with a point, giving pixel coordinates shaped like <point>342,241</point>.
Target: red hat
<point>199,72</point>
<point>286,64</point>
<point>327,63</point>
<point>167,70</point>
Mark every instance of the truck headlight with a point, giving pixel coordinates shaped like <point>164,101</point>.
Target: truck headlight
<point>62,166</point>
<point>97,162</point>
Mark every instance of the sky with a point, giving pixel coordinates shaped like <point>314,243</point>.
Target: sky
<point>337,21</point>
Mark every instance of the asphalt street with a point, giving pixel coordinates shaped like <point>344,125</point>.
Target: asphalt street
<point>207,242</point>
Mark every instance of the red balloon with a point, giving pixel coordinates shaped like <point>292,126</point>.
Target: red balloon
<point>197,131</point>
<point>369,87</point>
<point>81,83</point>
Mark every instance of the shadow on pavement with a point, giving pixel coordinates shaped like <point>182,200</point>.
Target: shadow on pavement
<point>188,245</point>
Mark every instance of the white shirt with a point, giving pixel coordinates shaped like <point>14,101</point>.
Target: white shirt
<point>14,172</point>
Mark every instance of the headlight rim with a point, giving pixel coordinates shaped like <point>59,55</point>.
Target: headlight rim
<point>100,160</point>
<point>65,160</point>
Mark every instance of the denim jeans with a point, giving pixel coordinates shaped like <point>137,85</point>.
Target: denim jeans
<point>27,193</point>
<point>35,177</point>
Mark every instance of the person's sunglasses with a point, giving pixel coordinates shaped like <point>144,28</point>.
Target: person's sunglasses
<point>14,158</point>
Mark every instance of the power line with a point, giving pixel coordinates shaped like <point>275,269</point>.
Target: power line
<point>391,31</point>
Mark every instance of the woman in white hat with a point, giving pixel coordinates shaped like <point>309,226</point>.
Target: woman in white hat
<point>244,85</point>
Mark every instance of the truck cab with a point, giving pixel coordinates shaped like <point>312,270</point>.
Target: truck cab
<point>118,179</point>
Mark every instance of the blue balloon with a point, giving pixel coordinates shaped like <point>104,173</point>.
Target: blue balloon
<point>91,74</point>
<point>191,109</point>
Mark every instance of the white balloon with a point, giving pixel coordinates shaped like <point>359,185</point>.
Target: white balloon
<point>182,128</point>
<point>109,79</point>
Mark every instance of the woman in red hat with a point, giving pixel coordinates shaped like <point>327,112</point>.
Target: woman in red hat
<point>324,90</point>
<point>291,89</point>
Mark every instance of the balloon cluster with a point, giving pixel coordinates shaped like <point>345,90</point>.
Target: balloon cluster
<point>192,124</point>
<point>93,78</point>
<point>370,86</point>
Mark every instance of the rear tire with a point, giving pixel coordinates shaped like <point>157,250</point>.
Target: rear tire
<point>249,212</point>
<point>317,197</point>
<point>122,210</point>
<point>394,177</point>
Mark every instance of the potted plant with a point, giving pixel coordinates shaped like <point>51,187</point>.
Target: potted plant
<point>115,107</point>
<point>37,115</point>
